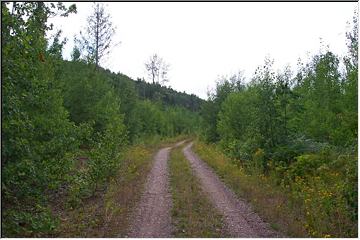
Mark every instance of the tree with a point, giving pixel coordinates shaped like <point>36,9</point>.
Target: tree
<point>157,69</point>
<point>97,40</point>
<point>76,53</point>
<point>283,97</point>
<point>36,131</point>
<point>350,82</point>
<point>211,109</point>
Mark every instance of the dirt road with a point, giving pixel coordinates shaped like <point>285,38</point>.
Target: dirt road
<point>240,220</point>
<point>152,217</point>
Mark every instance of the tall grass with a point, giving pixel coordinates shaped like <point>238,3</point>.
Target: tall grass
<point>302,206</point>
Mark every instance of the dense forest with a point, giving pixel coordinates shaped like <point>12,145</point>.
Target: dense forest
<point>299,129</point>
<point>54,111</point>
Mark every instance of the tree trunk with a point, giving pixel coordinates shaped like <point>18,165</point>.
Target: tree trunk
<point>153,75</point>
<point>97,39</point>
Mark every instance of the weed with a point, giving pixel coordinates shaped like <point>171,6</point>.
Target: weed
<point>192,213</point>
<point>311,201</point>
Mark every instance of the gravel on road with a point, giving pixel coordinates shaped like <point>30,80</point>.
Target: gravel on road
<point>241,221</point>
<point>152,217</point>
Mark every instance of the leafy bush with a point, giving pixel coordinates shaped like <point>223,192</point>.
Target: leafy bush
<point>315,196</point>
<point>33,222</point>
<point>328,211</point>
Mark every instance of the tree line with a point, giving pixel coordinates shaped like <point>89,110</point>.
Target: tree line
<point>300,128</point>
<point>57,113</point>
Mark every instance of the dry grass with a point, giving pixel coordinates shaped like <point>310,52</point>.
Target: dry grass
<point>267,199</point>
<point>192,213</point>
<point>106,214</point>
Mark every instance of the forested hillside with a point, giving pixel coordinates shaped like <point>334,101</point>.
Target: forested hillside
<point>57,113</point>
<point>157,92</point>
<point>78,140</point>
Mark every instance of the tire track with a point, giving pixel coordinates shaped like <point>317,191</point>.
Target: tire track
<point>239,218</point>
<point>152,217</point>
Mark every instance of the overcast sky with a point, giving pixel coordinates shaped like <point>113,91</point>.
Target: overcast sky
<point>202,41</point>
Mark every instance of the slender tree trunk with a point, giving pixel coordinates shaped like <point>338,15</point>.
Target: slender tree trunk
<point>97,39</point>
<point>153,75</point>
<point>285,120</point>
<point>13,8</point>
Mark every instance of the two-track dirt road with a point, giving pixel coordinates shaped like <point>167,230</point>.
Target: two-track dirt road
<point>152,217</point>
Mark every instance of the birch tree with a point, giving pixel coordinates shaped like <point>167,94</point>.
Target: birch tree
<point>157,69</point>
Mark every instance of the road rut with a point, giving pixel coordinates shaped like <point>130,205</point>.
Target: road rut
<point>239,218</point>
<point>152,217</point>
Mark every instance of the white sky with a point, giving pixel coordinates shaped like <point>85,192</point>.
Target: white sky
<point>202,41</point>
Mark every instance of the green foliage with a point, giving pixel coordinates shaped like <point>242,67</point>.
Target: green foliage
<point>322,183</point>
<point>39,220</point>
<point>125,90</point>
<point>274,114</point>
<point>37,134</point>
<point>297,130</point>
<point>316,196</point>
<point>152,120</point>
<point>211,108</point>
<point>65,126</point>
<point>167,95</point>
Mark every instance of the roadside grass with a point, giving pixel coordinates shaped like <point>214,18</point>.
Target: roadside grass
<point>267,199</point>
<point>107,212</point>
<point>192,213</point>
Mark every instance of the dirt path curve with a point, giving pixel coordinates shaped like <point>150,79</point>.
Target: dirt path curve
<point>240,220</point>
<point>152,216</point>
